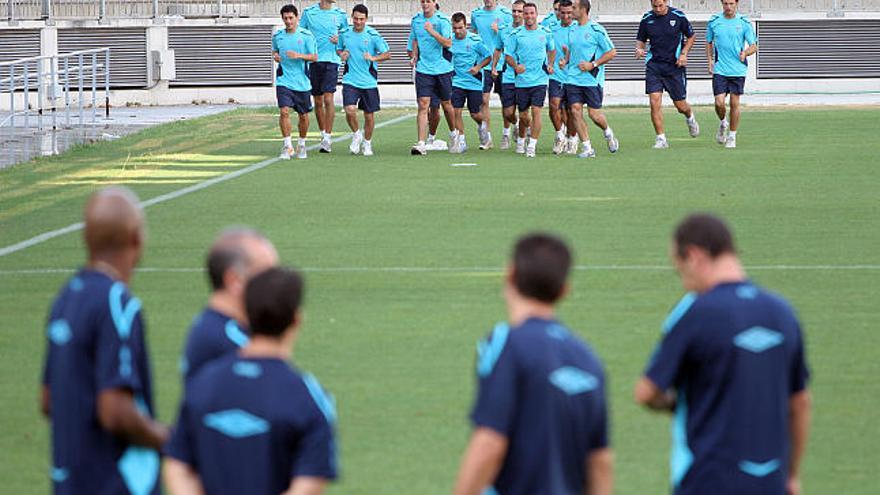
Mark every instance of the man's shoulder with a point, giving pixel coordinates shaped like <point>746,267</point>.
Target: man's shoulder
<point>419,16</point>
<point>279,33</point>
<point>676,12</point>
<point>371,31</point>
<point>305,33</point>
<point>595,26</point>
<point>649,15</point>
<point>546,29</point>
<point>475,37</point>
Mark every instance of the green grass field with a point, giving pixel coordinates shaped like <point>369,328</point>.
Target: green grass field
<point>403,259</point>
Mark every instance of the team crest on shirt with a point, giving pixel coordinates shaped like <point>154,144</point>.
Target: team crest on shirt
<point>672,22</point>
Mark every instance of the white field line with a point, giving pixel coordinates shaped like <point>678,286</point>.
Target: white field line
<point>74,227</point>
<point>458,269</point>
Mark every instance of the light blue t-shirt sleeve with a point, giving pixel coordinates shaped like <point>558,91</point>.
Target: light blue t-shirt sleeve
<point>749,33</point>
<point>510,47</point>
<point>710,31</point>
<point>304,20</point>
<point>380,46</point>
<point>274,44</point>
<point>551,44</point>
<point>311,45</point>
<point>604,42</point>
<point>445,29</point>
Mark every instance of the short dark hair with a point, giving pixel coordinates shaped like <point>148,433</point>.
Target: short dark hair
<point>541,263</point>
<point>271,299</point>
<point>360,8</point>
<point>459,17</point>
<point>228,252</point>
<point>585,4</point>
<point>521,2</point>
<point>705,231</point>
<point>565,3</point>
<point>290,8</point>
<point>530,4</point>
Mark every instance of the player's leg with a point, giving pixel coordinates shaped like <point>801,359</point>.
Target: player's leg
<point>488,84</point>
<point>576,97</point>
<point>433,119</point>
<point>457,101</point>
<point>525,118</point>
<point>656,100</point>
<point>675,83</point>
<point>287,150</point>
<point>730,142</point>
<point>443,90</point>
<point>595,95</point>
<point>478,114</point>
<point>508,113</point>
<point>316,77</point>
<point>350,98</point>
<point>424,92</point>
<point>370,104</point>
<point>329,117</point>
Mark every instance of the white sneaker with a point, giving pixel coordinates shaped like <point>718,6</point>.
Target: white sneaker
<point>455,145</point>
<point>487,144</point>
<point>437,145</point>
<point>590,153</point>
<point>505,142</point>
<point>613,144</point>
<point>571,145</point>
<point>530,152</point>
<point>693,128</point>
<point>286,152</point>
<point>356,139</point>
<point>661,143</point>
<point>721,135</point>
<point>520,147</point>
<point>730,142</point>
<point>462,144</point>
<point>559,145</point>
<point>301,153</point>
<point>419,149</point>
<point>368,149</point>
<point>325,144</point>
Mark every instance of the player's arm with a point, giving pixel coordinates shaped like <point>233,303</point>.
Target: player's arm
<point>800,405</point>
<point>180,478</point>
<point>444,42</point>
<point>118,414</point>
<point>45,400</point>
<point>481,462</point>
<point>748,52</point>
<point>276,57</point>
<point>710,56</point>
<point>651,396</point>
<point>306,485</point>
<point>600,472</point>
<point>641,52</point>
<point>386,55</point>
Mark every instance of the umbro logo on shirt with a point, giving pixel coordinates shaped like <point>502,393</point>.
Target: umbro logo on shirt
<point>672,23</point>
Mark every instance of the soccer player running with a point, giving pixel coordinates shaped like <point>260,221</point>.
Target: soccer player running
<point>293,48</point>
<point>671,38</point>
<point>508,77</point>
<point>431,33</point>
<point>361,48</point>
<point>731,365</point>
<point>221,328</point>
<point>531,53</point>
<point>556,88</point>
<point>540,414</point>
<point>325,22</point>
<point>730,40</point>
<point>251,423</point>
<point>589,49</point>
<point>432,143</point>
<point>97,386</point>
<point>469,57</point>
<point>552,19</point>
<point>488,21</point>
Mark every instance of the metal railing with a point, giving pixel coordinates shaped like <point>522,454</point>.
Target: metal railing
<point>53,80</point>
<point>13,10</point>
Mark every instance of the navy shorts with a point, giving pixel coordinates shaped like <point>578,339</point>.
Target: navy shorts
<point>722,85</point>
<point>672,79</point>
<point>474,98</point>
<point>533,96</point>
<point>491,84</point>
<point>439,86</point>
<point>590,96</point>
<point>299,101</point>
<point>366,99</point>
<point>557,90</point>
<point>508,95</point>
<point>323,76</point>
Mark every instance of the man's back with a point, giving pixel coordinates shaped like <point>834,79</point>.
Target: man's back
<point>211,335</point>
<point>543,389</point>
<point>735,355</point>
<point>251,425</point>
<point>96,343</point>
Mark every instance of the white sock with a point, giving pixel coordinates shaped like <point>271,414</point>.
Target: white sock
<point>488,135</point>
<point>368,142</point>
<point>662,136</point>
<point>563,129</point>
<point>287,142</point>
<point>506,132</point>
<point>483,126</point>
<point>302,141</point>
<point>420,143</point>
<point>560,134</point>
<point>691,117</point>
<point>452,134</point>
<point>533,142</point>
<point>431,137</point>
<point>587,145</point>
<point>724,122</point>
<point>609,133</point>
<point>732,134</point>
<point>520,140</point>
<point>359,132</point>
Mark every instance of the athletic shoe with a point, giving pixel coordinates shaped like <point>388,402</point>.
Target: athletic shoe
<point>356,139</point>
<point>613,144</point>
<point>505,142</point>
<point>486,144</point>
<point>462,144</point>
<point>437,145</point>
<point>721,135</point>
<point>693,128</point>
<point>559,145</point>
<point>730,142</point>
<point>571,146</point>
<point>368,149</point>
<point>419,149</point>
<point>301,154</point>
<point>325,144</point>
<point>286,153</point>
<point>661,143</point>
<point>530,152</point>
<point>455,146</point>
<point>520,147</point>
<point>590,153</point>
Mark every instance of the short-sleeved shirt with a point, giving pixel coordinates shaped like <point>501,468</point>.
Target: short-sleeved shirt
<point>96,343</point>
<point>434,59</point>
<point>251,425</point>
<point>734,355</point>
<point>549,21</point>
<point>359,72</point>
<point>586,44</point>
<point>294,74</point>
<point>560,39</point>
<point>542,388</point>
<point>729,37</point>
<point>529,47</point>
<point>481,22</point>
<point>666,34</point>
<point>467,53</point>
<point>509,75</point>
<point>324,23</point>
<point>211,335</point>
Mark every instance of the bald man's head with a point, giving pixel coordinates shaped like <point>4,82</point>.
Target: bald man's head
<point>239,252</point>
<point>114,222</point>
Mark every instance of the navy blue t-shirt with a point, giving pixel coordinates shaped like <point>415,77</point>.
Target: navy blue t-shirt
<point>212,335</point>
<point>666,35</point>
<point>544,389</point>
<point>252,425</point>
<point>96,343</point>
<point>735,355</point>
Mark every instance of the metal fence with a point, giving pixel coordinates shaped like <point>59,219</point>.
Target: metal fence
<point>13,10</point>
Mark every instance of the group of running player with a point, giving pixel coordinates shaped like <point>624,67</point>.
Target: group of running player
<point>506,52</point>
